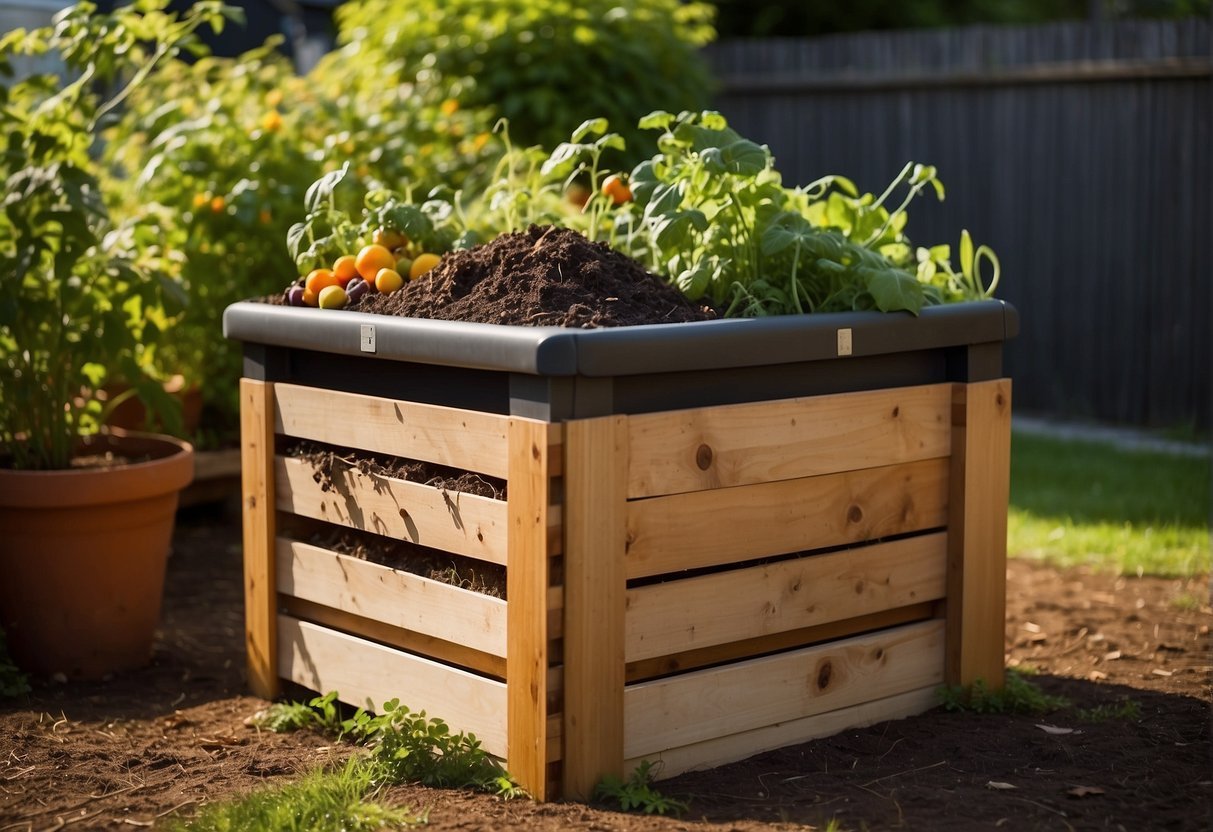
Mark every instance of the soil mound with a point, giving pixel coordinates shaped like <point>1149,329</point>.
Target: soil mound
<point>543,276</point>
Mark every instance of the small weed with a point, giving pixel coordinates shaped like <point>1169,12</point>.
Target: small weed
<point>1126,709</point>
<point>12,681</point>
<point>323,801</point>
<point>407,747</point>
<point>1018,696</point>
<point>637,792</point>
<point>282,717</point>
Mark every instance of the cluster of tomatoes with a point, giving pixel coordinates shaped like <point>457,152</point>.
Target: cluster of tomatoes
<point>382,266</point>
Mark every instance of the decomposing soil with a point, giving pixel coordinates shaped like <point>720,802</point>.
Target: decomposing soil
<point>543,276</point>
<point>1132,655</point>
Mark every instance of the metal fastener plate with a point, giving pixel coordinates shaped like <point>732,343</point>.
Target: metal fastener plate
<point>844,341</point>
<point>368,338</point>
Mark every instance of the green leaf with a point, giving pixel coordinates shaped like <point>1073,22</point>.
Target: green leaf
<point>665,198</point>
<point>740,158</point>
<point>322,189</point>
<point>694,281</point>
<point>966,255</point>
<point>893,290</point>
<point>589,127</point>
<point>560,164</point>
<point>656,120</point>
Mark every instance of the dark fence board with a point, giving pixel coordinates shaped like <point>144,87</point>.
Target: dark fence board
<point>1080,152</point>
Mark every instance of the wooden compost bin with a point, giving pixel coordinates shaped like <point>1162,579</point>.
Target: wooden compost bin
<point>719,538</point>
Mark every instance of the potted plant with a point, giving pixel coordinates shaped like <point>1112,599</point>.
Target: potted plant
<point>87,513</point>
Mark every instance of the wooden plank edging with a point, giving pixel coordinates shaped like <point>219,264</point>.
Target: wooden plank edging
<point>258,530</point>
<point>391,596</point>
<point>743,444</point>
<point>744,696</point>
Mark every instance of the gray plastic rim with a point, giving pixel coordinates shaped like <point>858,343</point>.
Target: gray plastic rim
<point>621,351</point>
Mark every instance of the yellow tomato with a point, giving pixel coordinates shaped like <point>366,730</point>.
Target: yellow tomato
<point>422,264</point>
<point>388,281</point>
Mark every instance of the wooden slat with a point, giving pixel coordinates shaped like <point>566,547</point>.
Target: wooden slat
<point>713,447</point>
<point>394,597</point>
<point>368,674</point>
<point>257,487</point>
<point>443,435</point>
<point>717,752</point>
<point>594,584</point>
<point>434,648</point>
<point>707,704</point>
<point>677,616</point>
<point>977,552</point>
<point>462,523</point>
<point>527,583</point>
<point>726,525</point>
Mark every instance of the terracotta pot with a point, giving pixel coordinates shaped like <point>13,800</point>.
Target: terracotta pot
<point>83,556</point>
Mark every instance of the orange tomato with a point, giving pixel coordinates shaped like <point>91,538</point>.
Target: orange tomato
<point>319,279</point>
<point>617,189</point>
<point>422,264</point>
<point>218,204</point>
<point>371,259</point>
<point>311,298</point>
<point>345,269</point>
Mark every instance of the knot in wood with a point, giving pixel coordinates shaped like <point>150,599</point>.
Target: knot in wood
<point>854,514</point>
<point>824,671</point>
<point>703,457</point>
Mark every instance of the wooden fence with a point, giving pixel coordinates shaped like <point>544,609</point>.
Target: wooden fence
<point>1080,152</point>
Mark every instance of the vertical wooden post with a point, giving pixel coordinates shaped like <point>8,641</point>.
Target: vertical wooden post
<point>257,488</point>
<point>977,532</point>
<point>595,522</point>
<point>527,579</point>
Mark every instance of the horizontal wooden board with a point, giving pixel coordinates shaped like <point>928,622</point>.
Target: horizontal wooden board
<point>462,523</point>
<point>365,673</point>
<point>745,696</point>
<point>717,752</point>
<point>430,647</point>
<point>677,616</point>
<point>730,525</point>
<point>714,447</point>
<point>394,597</point>
<point>444,435</point>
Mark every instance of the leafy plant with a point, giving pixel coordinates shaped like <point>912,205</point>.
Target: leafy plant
<point>405,747</point>
<point>546,65</point>
<point>1126,709</point>
<point>637,793</point>
<point>82,297</point>
<point>711,212</point>
<point>1018,696</point>
<point>320,712</point>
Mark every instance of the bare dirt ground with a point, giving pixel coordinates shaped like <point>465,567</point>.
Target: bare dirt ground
<point>1131,752</point>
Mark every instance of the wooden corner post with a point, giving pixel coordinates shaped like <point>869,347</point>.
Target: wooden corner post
<point>528,576</point>
<point>977,532</point>
<point>258,495</point>
<point>595,521</point>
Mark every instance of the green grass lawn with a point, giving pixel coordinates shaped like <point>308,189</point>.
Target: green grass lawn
<point>1091,503</point>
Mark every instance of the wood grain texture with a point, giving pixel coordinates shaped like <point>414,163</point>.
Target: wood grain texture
<point>394,597</point>
<point>448,652</point>
<point>368,674</point>
<point>257,493</point>
<point>462,523</point>
<point>528,570</point>
<point>713,447</point>
<point>977,551</point>
<point>443,435</point>
<point>728,749</point>
<point>731,699</point>
<point>710,528</point>
<point>594,583</point>
<point>676,616</point>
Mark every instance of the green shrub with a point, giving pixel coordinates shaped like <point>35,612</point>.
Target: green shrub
<point>545,65</point>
